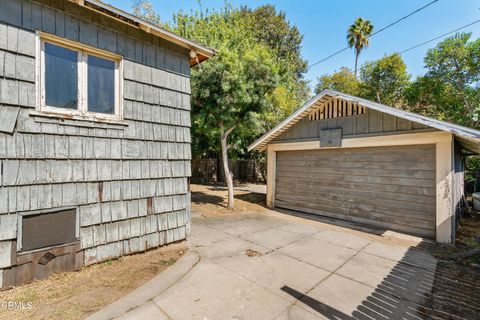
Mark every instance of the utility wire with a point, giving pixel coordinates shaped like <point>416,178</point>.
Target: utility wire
<point>376,32</point>
<point>403,18</point>
<point>441,36</point>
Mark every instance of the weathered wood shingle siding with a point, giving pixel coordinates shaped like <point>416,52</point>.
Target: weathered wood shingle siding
<point>371,123</point>
<point>129,183</point>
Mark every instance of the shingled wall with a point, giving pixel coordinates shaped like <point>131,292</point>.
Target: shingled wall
<point>129,182</point>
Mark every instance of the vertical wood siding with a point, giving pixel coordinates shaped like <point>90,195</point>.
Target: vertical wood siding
<point>129,183</point>
<point>371,123</point>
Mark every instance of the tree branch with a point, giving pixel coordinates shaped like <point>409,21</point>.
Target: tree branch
<point>230,130</point>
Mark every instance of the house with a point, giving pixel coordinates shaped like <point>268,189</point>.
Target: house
<point>94,136</point>
<point>353,159</point>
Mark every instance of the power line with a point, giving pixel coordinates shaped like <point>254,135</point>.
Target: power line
<point>403,18</point>
<point>376,32</point>
<point>441,36</point>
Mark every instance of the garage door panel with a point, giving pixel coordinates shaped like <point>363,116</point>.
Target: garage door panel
<point>420,156</point>
<point>426,149</point>
<point>315,180</point>
<point>355,207</point>
<point>363,179</point>
<point>381,165</point>
<point>365,191</point>
<point>374,218</point>
<point>422,232</point>
<point>406,190</point>
<point>396,188</point>
<point>385,199</point>
<point>414,174</point>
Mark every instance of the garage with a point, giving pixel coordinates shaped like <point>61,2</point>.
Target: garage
<point>392,187</point>
<point>351,159</point>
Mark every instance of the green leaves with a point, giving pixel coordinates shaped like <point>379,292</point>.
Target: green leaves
<point>254,81</point>
<point>450,89</point>
<point>384,80</point>
<point>358,33</point>
<point>343,80</point>
<point>357,37</point>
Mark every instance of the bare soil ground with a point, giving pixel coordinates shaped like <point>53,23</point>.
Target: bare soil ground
<point>456,289</point>
<point>74,295</point>
<point>210,200</point>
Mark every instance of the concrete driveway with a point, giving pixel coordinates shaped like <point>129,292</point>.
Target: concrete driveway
<point>275,266</point>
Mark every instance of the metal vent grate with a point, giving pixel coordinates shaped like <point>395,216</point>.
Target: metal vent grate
<point>48,229</point>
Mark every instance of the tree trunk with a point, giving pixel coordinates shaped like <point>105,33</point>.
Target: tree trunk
<point>356,62</point>
<point>228,175</point>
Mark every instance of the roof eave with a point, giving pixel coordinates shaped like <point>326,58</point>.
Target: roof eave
<point>460,132</point>
<point>257,145</point>
<point>203,52</point>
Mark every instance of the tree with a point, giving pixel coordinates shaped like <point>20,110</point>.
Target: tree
<point>343,80</point>
<point>144,9</point>
<point>357,37</point>
<point>450,88</point>
<point>385,80</point>
<point>271,27</point>
<point>455,62</point>
<point>230,93</point>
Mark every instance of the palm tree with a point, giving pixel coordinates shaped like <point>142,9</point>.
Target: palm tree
<point>357,37</point>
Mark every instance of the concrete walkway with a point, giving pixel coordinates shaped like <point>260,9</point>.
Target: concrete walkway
<point>275,266</point>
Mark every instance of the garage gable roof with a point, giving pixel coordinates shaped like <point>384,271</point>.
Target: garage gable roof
<point>467,137</point>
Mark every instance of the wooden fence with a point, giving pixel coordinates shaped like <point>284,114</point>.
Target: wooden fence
<point>211,170</point>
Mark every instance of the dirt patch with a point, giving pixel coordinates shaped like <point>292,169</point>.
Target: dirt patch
<point>455,292</point>
<point>74,295</point>
<point>456,288</point>
<point>211,200</point>
<point>467,240</point>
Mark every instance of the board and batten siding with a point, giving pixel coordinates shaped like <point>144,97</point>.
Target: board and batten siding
<point>369,124</point>
<point>128,182</point>
<point>391,187</point>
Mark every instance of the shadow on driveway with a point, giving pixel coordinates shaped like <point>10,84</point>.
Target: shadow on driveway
<point>414,289</point>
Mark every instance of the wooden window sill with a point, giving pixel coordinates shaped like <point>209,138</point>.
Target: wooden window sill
<point>63,118</point>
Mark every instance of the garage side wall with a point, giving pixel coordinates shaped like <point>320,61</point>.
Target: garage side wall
<point>458,184</point>
<point>128,183</point>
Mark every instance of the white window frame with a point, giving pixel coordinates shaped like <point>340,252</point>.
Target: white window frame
<point>84,51</point>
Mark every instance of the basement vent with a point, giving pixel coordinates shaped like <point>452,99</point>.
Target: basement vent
<point>336,108</point>
<point>48,229</point>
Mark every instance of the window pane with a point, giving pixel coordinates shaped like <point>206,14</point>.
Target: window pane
<point>101,85</point>
<point>60,77</point>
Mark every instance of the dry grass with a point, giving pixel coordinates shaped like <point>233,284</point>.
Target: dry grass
<point>74,295</point>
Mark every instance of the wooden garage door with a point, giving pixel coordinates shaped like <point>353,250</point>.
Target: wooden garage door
<point>390,187</point>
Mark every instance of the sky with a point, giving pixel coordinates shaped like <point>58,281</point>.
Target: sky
<point>324,23</point>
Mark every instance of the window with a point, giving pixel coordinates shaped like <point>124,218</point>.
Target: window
<point>78,80</point>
